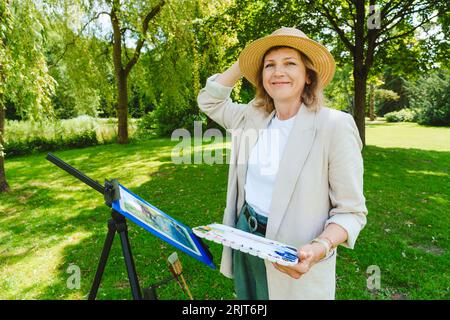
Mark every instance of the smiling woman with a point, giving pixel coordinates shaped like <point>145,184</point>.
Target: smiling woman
<point>283,77</point>
<point>300,177</point>
<point>292,71</point>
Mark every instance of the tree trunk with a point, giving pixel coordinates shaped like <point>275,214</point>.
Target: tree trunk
<point>121,76</point>
<point>3,183</point>
<point>121,71</point>
<point>360,103</point>
<point>122,107</point>
<point>360,71</point>
<point>372,103</point>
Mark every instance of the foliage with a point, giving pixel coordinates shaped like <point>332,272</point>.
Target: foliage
<point>392,82</point>
<point>183,52</point>
<point>338,93</point>
<point>24,78</point>
<point>404,115</point>
<point>171,115</point>
<point>145,126</point>
<point>24,137</point>
<point>343,26</point>
<point>83,70</point>
<point>430,97</point>
<point>41,144</point>
<point>382,97</point>
<point>26,81</point>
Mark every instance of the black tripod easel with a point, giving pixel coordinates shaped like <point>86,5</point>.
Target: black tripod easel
<point>117,224</point>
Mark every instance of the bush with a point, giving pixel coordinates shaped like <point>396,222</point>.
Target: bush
<point>42,144</point>
<point>404,115</point>
<point>168,117</point>
<point>384,98</point>
<point>25,137</point>
<point>392,95</point>
<point>146,126</point>
<point>430,98</point>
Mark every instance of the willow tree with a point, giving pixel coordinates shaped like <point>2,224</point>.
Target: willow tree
<point>127,31</point>
<point>24,80</point>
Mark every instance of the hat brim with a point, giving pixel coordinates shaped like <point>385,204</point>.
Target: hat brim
<point>251,57</point>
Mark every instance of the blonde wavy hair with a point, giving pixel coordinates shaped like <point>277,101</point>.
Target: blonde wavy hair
<point>312,95</point>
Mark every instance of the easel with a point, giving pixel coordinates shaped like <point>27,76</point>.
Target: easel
<point>117,224</point>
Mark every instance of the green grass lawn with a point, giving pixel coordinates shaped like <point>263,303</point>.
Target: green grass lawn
<point>408,135</point>
<point>50,220</point>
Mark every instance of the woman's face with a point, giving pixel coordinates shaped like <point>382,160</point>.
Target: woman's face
<point>284,75</point>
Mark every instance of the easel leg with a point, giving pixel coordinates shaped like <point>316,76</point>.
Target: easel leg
<point>117,224</point>
<point>103,259</point>
<point>129,262</point>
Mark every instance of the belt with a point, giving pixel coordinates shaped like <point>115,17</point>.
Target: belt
<point>253,223</point>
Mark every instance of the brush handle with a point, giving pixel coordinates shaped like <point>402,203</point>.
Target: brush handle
<point>186,287</point>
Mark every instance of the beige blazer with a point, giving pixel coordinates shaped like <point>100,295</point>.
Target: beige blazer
<point>319,181</point>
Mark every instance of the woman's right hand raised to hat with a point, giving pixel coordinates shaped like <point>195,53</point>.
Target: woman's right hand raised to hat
<point>230,76</point>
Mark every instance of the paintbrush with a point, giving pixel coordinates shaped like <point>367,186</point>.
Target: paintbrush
<point>174,274</point>
<point>177,269</point>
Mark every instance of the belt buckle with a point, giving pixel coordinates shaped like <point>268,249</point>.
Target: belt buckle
<point>255,222</point>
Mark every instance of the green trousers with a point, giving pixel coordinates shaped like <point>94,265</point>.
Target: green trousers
<point>250,280</point>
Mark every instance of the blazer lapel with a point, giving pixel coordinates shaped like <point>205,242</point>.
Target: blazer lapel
<point>297,149</point>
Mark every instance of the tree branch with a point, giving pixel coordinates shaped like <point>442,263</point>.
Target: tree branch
<point>351,4</point>
<point>67,45</point>
<point>372,35</point>
<point>401,17</point>
<point>407,32</point>
<point>141,40</point>
<point>402,12</point>
<point>325,12</point>
<point>388,9</point>
<point>117,39</point>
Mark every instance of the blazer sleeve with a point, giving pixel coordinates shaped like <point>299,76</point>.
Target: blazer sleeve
<point>346,179</point>
<point>214,100</point>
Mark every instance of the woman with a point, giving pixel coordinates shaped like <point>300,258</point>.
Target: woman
<point>299,179</point>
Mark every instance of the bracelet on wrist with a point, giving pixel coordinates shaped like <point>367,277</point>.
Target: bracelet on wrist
<point>324,243</point>
<point>332,246</point>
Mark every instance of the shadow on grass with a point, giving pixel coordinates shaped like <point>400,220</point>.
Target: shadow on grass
<point>149,252</point>
<point>188,187</point>
<point>406,195</point>
<point>406,192</point>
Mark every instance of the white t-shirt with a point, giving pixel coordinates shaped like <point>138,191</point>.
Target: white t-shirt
<point>263,164</point>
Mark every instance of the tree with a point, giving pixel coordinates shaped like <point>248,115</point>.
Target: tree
<point>79,93</point>
<point>163,71</point>
<point>5,20</point>
<point>373,83</point>
<point>176,63</point>
<point>23,70</point>
<point>354,33</point>
<point>365,35</point>
<point>127,34</point>
<point>430,98</point>
<point>120,25</point>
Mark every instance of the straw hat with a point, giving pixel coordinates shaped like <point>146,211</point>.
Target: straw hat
<point>250,58</point>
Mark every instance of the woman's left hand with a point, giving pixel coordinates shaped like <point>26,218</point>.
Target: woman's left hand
<point>308,256</point>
